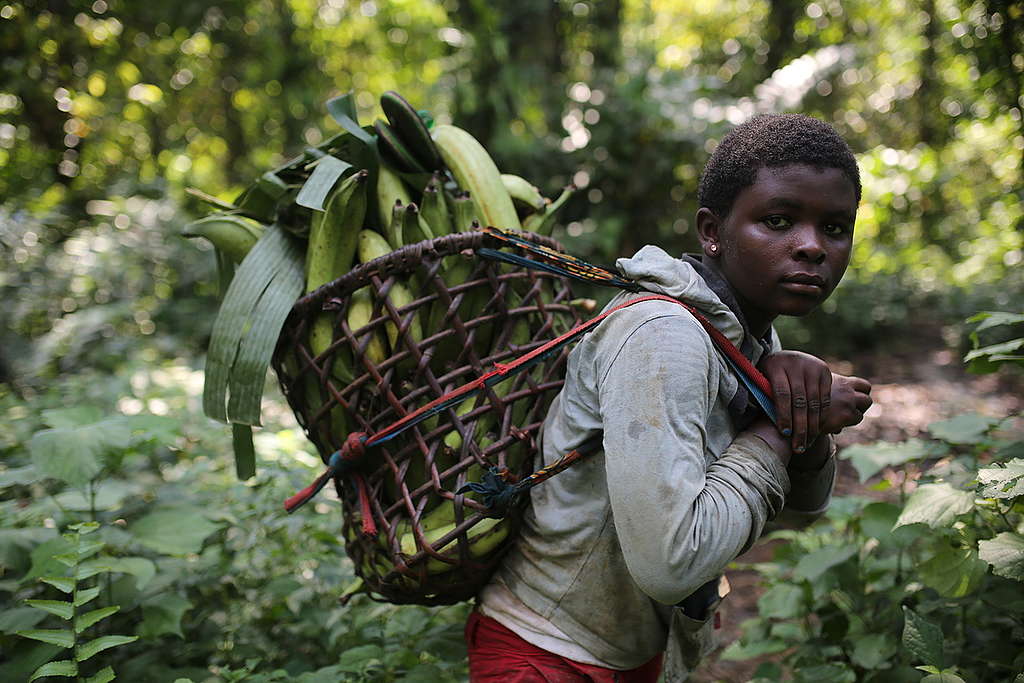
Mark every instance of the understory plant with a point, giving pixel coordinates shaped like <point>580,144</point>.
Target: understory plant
<point>212,579</point>
<point>926,584</point>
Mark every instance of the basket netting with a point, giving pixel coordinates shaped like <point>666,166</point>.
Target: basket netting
<point>466,314</point>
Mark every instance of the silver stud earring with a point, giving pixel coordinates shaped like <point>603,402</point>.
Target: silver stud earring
<point>713,248</point>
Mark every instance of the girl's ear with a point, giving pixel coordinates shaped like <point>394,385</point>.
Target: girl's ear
<point>709,231</point>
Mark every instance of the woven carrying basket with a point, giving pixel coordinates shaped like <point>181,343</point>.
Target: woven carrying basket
<point>451,333</point>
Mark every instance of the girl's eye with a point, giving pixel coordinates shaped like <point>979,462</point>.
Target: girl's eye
<point>835,229</point>
<point>776,222</point>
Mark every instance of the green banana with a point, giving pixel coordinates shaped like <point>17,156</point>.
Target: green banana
<point>523,192</point>
<point>484,537</point>
<point>475,171</point>
<point>393,150</point>
<point>434,209</point>
<point>360,312</point>
<point>233,235</point>
<point>330,253</point>
<point>411,129</point>
<point>463,212</point>
<point>414,229</point>
<point>390,190</point>
<point>333,232</point>
<point>372,245</point>
<point>544,223</point>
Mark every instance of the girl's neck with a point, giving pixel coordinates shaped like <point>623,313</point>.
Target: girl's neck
<point>757,322</point>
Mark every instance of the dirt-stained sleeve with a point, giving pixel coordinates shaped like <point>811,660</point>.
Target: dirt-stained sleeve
<point>679,520</point>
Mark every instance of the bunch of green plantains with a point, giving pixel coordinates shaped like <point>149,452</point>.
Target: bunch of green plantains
<point>353,271</point>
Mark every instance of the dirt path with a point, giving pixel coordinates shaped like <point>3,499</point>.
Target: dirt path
<point>909,393</point>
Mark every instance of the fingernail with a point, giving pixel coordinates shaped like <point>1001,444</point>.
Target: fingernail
<point>787,432</point>
<point>799,449</point>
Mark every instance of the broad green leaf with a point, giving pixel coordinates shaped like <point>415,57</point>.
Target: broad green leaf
<point>142,569</point>
<point>343,110</point>
<point>73,416</point>
<point>953,572</point>
<point>19,619</point>
<point>173,530</point>
<point>1002,351</point>
<point>83,528</point>
<point>89,618</point>
<point>18,476</point>
<point>357,658</point>
<point>73,454</point>
<point>43,558</point>
<point>877,519</point>
<point>163,615</point>
<point>64,610</point>
<point>936,505</point>
<point>995,319</point>
<point>1002,482</point>
<point>241,316</point>
<point>61,583</point>
<point>814,564</point>
<point>55,636</point>
<point>1005,553</point>
<point>104,675</point>
<point>84,652</point>
<point>922,638</point>
<point>873,650</point>
<point>870,459</point>
<point>781,601</point>
<point>86,595</point>
<point>963,429</point>
<point>249,372</point>
<point>328,170</point>
<point>65,667</point>
<point>108,495</point>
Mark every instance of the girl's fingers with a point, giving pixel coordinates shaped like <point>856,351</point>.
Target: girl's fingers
<point>825,387</point>
<point>783,404</point>
<point>799,400</point>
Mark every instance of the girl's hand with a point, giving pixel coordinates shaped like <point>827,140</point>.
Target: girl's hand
<point>802,385</point>
<point>851,398</point>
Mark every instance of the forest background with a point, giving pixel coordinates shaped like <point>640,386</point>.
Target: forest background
<point>110,110</point>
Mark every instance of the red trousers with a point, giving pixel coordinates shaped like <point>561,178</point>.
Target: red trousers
<point>497,655</point>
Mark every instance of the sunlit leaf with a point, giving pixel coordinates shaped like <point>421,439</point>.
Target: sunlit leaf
<point>1002,482</point>
<point>781,601</point>
<point>104,675</point>
<point>953,572</point>
<point>1005,553</point>
<point>870,459</point>
<point>963,429</point>
<point>937,505</point>
<point>814,564</point>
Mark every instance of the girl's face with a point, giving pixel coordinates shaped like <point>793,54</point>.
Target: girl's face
<point>786,242</point>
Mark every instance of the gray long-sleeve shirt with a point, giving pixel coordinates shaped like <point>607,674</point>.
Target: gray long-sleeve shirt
<point>609,545</point>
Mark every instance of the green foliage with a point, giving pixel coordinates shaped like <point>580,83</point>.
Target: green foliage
<point>210,575</point>
<point>80,549</point>
<point>931,582</point>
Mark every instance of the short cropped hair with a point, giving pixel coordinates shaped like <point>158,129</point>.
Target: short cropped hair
<point>771,140</point>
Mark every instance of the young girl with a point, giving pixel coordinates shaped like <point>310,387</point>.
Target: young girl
<point>620,556</point>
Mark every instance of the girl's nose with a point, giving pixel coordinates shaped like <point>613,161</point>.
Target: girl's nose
<point>809,247</point>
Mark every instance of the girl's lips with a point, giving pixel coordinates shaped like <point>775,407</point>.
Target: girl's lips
<point>802,287</point>
<point>804,283</point>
